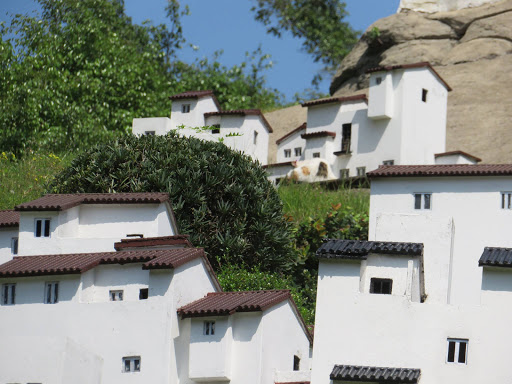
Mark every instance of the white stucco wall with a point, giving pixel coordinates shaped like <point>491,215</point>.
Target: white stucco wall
<point>195,118</point>
<point>290,143</point>
<point>93,228</point>
<point>158,125</point>
<point>454,159</point>
<point>6,235</point>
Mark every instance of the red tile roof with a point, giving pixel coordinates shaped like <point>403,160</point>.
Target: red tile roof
<point>423,64</point>
<point>302,127</point>
<point>81,262</point>
<point>60,202</point>
<point>442,170</point>
<point>196,95</point>
<point>335,100</point>
<point>228,303</point>
<point>242,112</point>
<point>310,135</point>
<point>461,153</point>
<point>9,218</point>
<point>153,242</point>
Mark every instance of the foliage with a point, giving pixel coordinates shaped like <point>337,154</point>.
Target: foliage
<point>77,73</point>
<point>220,197</point>
<point>318,22</point>
<point>234,278</point>
<point>24,179</point>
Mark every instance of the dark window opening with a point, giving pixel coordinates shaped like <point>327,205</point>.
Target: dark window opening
<point>424,93</point>
<point>14,245</point>
<point>316,154</point>
<point>457,351</point>
<point>143,293</point>
<point>296,363</point>
<point>346,137</point>
<point>42,228</point>
<point>378,80</point>
<point>149,133</point>
<point>185,108</point>
<point>216,128</point>
<point>361,171</point>
<point>381,286</point>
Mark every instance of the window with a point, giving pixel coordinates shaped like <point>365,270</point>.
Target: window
<point>14,245</point>
<point>296,363</point>
<point>8,294</point>
<point>506,200</point>
<point>388,162</point>
<point>216,129</point>
<point>287,153</point>
<point>131,364</point>
<point>344,173</point>
<point>457,351</point>
<point>316,154</point>
<point>185,108</point>
<point>346,137</point>
<point>424,93</point>
<point>209,328</point>
<point>361,171</point>
<point>116,295</point>
<point>378,80</point>
<point>298,152</point>
<point>381,286</point>
<point>149,133</point>
<point>51,292</point>
<point>255,138</point>
<point>143,293</point>
<point>42,228</point>
<point>422,201</point>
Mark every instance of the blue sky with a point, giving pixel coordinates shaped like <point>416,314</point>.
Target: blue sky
<point>229,25</point>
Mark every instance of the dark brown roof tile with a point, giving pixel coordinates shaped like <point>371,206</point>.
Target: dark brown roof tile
<point>331,100</point>
<point>442,170</point>
<point>302,127</point>
<point>9,218</point>
<point>311,135</point>
<point>153,242</point>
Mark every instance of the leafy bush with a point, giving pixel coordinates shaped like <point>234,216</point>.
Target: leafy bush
<point>234,278</point>
<point>220,197</point>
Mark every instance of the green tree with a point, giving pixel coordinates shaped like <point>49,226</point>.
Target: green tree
<point>78,72</point>
<point>318,22</point>
<point>220,197</point>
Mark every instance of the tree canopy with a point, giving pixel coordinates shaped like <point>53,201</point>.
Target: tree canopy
<point>78,72</point>
<point>221,198</point>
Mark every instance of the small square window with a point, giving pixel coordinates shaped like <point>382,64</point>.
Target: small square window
<point>116,295</point>
<point>424,94</point>
<point>8,294</point>
<point>209,328</point>
<point>51,292</point>
<point>287,153</point>
<point>215,129</point>
<point>344,173</point>
<point>149,133</point>
<point>422,201</point>
<point>42,228</point>
<point>185,108</point>
<point>143,293</point>
<point>457,351</point>
<point>361,171</point>
<point>298,152</point>
<point>255,138</point>
<point>316,154</point>
<point>388,162</point>
<point>378,80</point>
<point>131,364</point>
<point>14,245</point>
<point>381,286</point>
<point>506,200</point>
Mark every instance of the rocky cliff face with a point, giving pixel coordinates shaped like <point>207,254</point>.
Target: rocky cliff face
<point>471,49</point>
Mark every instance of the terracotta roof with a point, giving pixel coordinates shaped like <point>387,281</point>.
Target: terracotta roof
<point>301,127</point>
<point>331,100</point>
<point>311,135</point>
<point>228,303</point>
<point>461,153</point>
<point>60,202</point>
<point>242,112</point>
<point>423,64</point>
<point>153,242</point>
<point>375,374</point>
<point>442,170</point>
<point>196,95</point>
<point>286,163</point>
<point>9,218</point>
<point>496,257</point>
<point>81,262</point>
<point>355,249</point>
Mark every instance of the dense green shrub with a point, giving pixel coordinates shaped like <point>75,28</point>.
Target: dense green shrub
<point>220,197</point>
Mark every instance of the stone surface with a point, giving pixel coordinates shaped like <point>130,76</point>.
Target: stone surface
<point>440,5</point>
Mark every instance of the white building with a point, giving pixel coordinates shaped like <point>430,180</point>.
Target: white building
<point>198,114</point>
<point>9,224</point>
<point>425,300</point>
<point>402,121</point>
<point>151,311</point>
